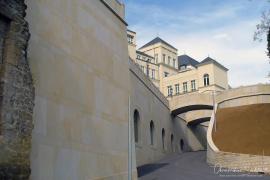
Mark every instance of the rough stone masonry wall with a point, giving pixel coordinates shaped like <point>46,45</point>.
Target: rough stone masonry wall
<point>16,92</point>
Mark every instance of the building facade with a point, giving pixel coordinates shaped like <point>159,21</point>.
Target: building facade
<point>80,129</point>
<point>178,74</point>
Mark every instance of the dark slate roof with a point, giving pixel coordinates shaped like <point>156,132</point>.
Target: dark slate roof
<point>186,60</point>
<point>157,40</point>
<point>209,60</point>
<point>143,54</point>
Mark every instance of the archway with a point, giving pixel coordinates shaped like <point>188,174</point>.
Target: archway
<point>172,139</point>
<point>163,138</point>
<point>181,144</point>
<point>136,118</point>
<point>152,131</point>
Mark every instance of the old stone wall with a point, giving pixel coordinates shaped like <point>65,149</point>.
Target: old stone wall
<point>16,92</point>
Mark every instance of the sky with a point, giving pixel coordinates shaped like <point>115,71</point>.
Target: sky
<point>221,29</point>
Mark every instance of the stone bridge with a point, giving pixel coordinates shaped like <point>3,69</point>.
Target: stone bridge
<point>190,102</point>
<point>197,117</point>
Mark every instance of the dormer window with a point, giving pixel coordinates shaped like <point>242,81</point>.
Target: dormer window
<point>183,67</point>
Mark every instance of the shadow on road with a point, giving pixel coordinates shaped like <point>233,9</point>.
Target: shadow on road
<point>148,168</point>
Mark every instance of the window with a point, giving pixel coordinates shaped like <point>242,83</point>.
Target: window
<point>156,58</point>
<point>166,74</point>
<point>193,85</point>
<point>183,67</point>
<point>143,58</point>
<point>172,139</point>
<point>170,90</point>
<point>138,57</point>
<point>206,79</point>
<point>164,57</point>
<point>136,119</point>
<point>153,74</point>
<point>130,39</point>
<point>142,67</point>
<point>152,131</point>
<point>174,65</point>
<point>185,87</point>
<point>163,138</point>
<point>169,60</point>
<point>177,89</point>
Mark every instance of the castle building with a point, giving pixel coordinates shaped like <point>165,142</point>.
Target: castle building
<point>173,74</point>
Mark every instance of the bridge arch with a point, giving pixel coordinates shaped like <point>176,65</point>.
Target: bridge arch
<point>191,102</point>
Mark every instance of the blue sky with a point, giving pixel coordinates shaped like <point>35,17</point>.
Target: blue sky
<point>222,29</point>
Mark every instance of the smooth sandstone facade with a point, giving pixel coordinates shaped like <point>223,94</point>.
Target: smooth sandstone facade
<point>161,52</point>
<point>163,58</point>
<point>79,59</point>
<point>152,105</point>
<point>217,78</point>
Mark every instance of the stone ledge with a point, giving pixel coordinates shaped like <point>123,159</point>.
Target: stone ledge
<point>147,82</point>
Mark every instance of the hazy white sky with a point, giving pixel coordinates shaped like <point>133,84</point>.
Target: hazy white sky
<point>222,29</point>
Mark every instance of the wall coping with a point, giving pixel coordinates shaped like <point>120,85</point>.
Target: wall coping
<point>134,68</point>
<point>113,11</point>
<point>242,92</point>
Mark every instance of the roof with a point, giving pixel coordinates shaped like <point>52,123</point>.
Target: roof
<point>209,60</point>
<point>141,53</point>
<point>157,40</point>
<point>186,60</point>
<point>131,31</point>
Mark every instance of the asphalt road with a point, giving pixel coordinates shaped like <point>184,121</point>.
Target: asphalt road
<point>190,166</point>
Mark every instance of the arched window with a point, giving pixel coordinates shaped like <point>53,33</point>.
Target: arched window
<point>206,79</point>
<point>136,119</point>
<point>163,138</point>
<point>172,142</point>
<point>181,144</point>
<point>152,132</point>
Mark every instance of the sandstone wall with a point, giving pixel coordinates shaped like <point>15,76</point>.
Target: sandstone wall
<point>153,106</point>
<point>79,57</point>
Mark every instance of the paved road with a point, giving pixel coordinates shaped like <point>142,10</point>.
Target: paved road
<point>189,166</point>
